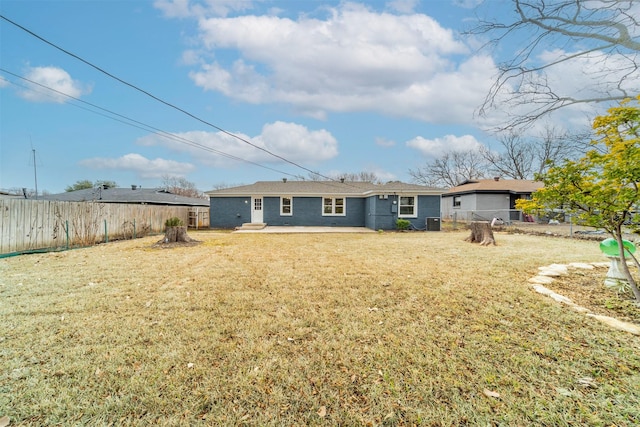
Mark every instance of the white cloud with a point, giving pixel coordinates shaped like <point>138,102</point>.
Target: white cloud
<point>438,146</point>
<point>290,140</point>
<point>187,8</point>
<point>354,59</point>
<point>53,78</point>
<point>591,75</point>
<point>145,168</point>
<point>467,4</point>
<point>383,142</point>
<point>403,6</point>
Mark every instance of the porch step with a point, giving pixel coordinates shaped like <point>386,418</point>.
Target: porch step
<point>252,226</point>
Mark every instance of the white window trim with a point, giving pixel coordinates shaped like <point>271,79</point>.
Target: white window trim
<point>459,199</point>
<point>333,206</point>
<point>415,208</point>
<point>290,206</point>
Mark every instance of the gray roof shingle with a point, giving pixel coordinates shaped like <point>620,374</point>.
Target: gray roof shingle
<point>150,196</point>
<point>493,185</point>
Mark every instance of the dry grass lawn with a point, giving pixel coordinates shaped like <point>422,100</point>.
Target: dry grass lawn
<point>307,329</point>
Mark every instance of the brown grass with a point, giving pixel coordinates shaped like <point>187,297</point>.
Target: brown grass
<point>322,329</point>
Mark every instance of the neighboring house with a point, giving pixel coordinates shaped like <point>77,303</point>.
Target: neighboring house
<point>485,199</point>
<point>135,194</point>
<point>325,203</point>
<point>4,195</point>
<point>198,214</point>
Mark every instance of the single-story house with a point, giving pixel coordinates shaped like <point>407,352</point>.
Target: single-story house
<point>325,203</point>
<point>485,199</point>
<point>198,213</point>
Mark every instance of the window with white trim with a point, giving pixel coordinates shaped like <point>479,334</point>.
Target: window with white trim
<point>333,206</point>
<point>408,206</point>
<point>286,206</point>
<point>457,201</point>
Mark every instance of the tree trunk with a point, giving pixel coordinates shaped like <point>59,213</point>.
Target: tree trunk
<point>176,234</point>
<point>625,267</point>
<point>481,233</point>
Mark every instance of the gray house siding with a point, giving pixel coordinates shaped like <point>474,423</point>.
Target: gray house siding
<point>493,201</point>
<point>383,213</point>
<point>229,212</point>
<point>307,211</point>
<point>428,207</point>
<point>379,213</point>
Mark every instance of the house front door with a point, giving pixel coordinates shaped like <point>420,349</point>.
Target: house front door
<point>256,210</point>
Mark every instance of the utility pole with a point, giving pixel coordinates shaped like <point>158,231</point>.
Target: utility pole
<point>35,172</point>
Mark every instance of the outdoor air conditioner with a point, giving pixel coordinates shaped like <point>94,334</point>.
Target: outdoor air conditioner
<point>433,224</point>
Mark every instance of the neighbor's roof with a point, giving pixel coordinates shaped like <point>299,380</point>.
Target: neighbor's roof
<point>323,188</point>
<point>151,196</point>
<point>493,185</point>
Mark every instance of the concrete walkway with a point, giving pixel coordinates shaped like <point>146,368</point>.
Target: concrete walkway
<point>300,229</point>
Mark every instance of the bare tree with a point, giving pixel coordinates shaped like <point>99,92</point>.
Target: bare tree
<point>555,146</point>
<point>452,169</point>
<point>362,176</point>
<point>523,158</point>
<point>181,186</point>
<point>223,185</point>
<point>604,34</point>
<point>515,160</point>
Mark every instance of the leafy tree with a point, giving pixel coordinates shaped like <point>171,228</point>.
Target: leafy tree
<point>603,187</point>
<point>604,47</point>
<point>85,183</point>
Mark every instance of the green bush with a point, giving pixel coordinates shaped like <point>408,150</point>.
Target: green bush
<point>173,222</point>
<point>403,224</point>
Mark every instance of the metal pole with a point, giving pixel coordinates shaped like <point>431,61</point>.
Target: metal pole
<point>35,173</point>
<point>67,230</point>
<point>106,236</point>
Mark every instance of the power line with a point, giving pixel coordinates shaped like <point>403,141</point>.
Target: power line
<point>149,128</point>
<point>156,98</point>
<point>137,124</point>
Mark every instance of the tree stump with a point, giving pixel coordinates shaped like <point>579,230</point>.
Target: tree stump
<point>481,233</point>
<point>176,234</point>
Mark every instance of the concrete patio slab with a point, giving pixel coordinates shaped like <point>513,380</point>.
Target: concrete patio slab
<point>301,229</point>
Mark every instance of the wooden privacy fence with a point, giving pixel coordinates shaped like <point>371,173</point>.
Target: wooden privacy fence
<point>27,225</point>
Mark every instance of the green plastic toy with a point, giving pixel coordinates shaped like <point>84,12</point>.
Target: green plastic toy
<point>610,247</point>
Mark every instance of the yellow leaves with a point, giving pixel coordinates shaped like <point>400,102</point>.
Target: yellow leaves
<point>528,205</point>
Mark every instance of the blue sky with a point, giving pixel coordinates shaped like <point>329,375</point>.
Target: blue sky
<point>335,87</point>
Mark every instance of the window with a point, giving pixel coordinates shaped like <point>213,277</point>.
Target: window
<point>407,206</point>
<point>333,206</point>
<point>286,206</point>
<point>456,201</point>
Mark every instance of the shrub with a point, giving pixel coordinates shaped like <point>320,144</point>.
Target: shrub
<point>403,224</point>
<point>173,222</point>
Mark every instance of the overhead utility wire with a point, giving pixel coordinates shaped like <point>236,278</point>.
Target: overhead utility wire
<point>159,99</point>
<point>140,125</point>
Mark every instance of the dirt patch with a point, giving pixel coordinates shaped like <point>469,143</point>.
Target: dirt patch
<point>171,245</point>
<point>586,288</point>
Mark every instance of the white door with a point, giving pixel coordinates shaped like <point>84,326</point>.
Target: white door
<point>256,209</point>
